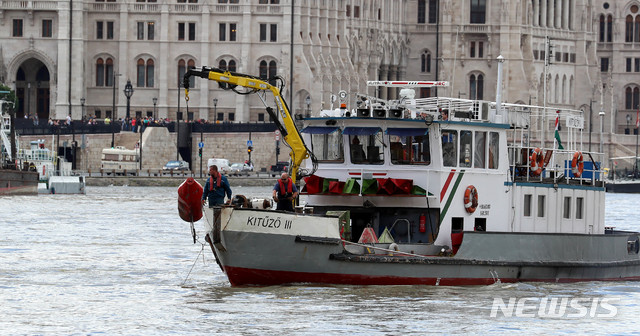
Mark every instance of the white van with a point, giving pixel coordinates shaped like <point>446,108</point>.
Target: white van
<point>223,165</point>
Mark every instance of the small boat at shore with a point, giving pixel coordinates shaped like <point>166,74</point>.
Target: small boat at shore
<point>15,179</point>
<point>425,191</point>
<point>624,176</point>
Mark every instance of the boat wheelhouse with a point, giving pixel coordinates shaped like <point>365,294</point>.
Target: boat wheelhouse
<point>449,150</point>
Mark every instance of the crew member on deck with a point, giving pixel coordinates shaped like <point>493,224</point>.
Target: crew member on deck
<point>284,192</point>
<point>216,187</point>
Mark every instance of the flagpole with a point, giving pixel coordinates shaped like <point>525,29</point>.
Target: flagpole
<point>635,162</point>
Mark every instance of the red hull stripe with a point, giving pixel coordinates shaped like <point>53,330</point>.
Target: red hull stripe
<point>239,276</point>
<point>446,184</point>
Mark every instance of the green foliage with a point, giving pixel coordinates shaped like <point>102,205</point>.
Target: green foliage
<point>10,97</point>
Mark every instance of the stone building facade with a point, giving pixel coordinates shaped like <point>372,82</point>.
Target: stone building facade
<point>54,53</point>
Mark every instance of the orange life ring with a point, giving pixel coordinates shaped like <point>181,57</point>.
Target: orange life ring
<point>537,161</point>
<point>471,199</point>
<point>577,164</point>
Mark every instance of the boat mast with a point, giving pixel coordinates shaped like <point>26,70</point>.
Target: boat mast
<point>499,89</point>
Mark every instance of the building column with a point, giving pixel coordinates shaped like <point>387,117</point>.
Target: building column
<point>382,75</point>
<point>62,94</point>
<point>536,13</point>
<point>393,75</point>
<point>543,10</point>
<point>203,112</point>
<point>170,66</point>
<point>558,16</point>
<point>550,14</point>
<point>565,14</point>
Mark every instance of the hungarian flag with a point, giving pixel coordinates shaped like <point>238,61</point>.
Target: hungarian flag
<point>557,131</point>
<point>638,118</point>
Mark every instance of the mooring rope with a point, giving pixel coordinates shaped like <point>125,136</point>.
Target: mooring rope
<point>194,263</point>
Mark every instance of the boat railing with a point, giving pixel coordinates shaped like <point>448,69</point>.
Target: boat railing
<point>32,155</point>
<point>558,165</point>
<point>408,227</point>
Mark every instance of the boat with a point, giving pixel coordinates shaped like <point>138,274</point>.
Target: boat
<point>423,191</point>
<point>15,178</point>
<point>55,175</point>
<point>623,176</point>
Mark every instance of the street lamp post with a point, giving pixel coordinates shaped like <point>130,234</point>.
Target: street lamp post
<point>82,121</point>
<point>128,92</point>
<point>601,130</point>
<point>308,102</point>
<point>215,111</point>
<point>82,101</point>
<point>635,161</point>
<point>178,127</point>
<point>140,149</point>
<point>113,111</point>
<point>155,101</point>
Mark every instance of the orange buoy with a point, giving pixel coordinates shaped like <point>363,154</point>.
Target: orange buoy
<point>537,161</point>
<point>471,199</point>
<point>190,200</point>
<point>577,164</point>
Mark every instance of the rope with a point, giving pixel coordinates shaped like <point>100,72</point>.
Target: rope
<point>194,264</point>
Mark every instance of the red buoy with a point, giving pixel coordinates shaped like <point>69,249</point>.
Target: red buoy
<point>190,200</point>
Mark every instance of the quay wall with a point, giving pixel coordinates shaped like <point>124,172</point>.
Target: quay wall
<point>151,181</point>
<point>159,147</point>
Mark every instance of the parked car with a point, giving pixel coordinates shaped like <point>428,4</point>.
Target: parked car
<point>241,169</point>
<point>223,165</point>
<point>279,168</point>
<point>176,165</point>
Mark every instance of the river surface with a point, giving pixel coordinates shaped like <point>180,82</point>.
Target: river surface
<point>119,261</point>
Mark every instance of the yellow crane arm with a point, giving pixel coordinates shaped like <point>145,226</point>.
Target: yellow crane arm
<point>288,129</point>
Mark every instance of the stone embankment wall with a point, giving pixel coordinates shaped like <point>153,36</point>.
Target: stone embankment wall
<point>159,147</point>
<point>134,181</point>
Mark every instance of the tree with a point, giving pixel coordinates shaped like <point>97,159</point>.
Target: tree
<point>9,97</point>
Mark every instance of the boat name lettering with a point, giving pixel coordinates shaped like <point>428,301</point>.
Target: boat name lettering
<point>267,222</point>
<point>485,206</point>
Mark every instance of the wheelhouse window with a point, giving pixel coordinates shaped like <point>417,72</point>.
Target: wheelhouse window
<point>409,146</point>
<point>449,148</point>
<point>480,150</point>
<point>365,145</point>
<point>579,207</point>
<point>541,204</point>
<point>494,150</point>
<point>566,213</point>
<point>466,140</point>
<point>527,205</point>
<point>326,143</point>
